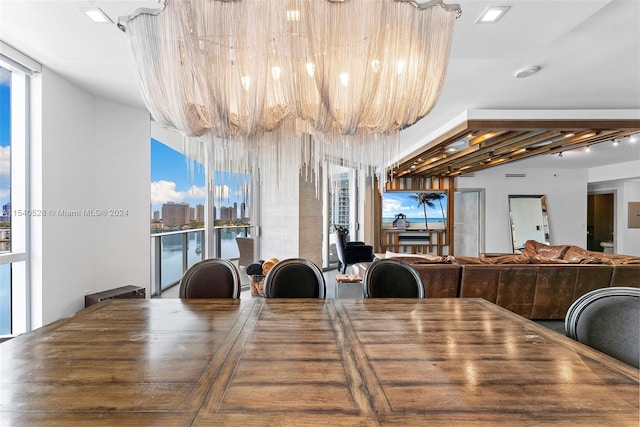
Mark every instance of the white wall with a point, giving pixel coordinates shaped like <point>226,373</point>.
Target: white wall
<point>88,154</point>
<point>624,181</point>
<point>566,191</point>
<point>291,219</point>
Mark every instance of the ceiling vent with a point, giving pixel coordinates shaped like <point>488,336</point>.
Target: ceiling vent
<point>514,175</point>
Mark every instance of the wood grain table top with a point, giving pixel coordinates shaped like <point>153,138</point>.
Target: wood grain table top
<point>308,362</point>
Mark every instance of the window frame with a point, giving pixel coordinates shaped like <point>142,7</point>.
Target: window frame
<point>22,69</point>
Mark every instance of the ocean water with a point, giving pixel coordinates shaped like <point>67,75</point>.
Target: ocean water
<point>171,259</point>
<point>171,256</point>
<point>414,220</point>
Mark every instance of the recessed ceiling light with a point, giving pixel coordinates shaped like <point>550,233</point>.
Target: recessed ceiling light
<point>526,72</point>
<point>492,14</point>
<point>96,15</point>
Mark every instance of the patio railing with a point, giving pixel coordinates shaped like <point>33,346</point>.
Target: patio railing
<point>173,252</point>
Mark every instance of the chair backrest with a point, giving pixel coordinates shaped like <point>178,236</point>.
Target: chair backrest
<point>245,250</point>
<point>294,278</point>
<point>341,234</point>
<point>211,278</point>
<point>391,278</point>
<point>607,319</point>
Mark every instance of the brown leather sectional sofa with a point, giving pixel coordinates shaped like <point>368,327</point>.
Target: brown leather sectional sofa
<point>532,285</point>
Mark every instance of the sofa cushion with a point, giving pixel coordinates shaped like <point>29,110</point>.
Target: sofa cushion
<point>578,255</point>
<point>509,259</point>
<point>532,248</point>
<point>463,260</point>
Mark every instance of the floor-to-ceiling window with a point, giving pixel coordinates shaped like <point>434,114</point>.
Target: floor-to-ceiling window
<point>341,208</point>
<point>14,212</point>
<point>182,197</point>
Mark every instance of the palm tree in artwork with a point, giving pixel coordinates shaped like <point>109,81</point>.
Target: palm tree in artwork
<point>438,197</point>
<point>423,200</point>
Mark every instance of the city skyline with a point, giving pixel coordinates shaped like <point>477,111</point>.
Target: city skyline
<point>233,212</point>
<point>175,179</point>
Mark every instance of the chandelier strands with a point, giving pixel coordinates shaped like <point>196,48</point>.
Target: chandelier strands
<point>345,72</point>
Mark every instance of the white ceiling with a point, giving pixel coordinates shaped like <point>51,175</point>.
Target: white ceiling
<point>589,51</point>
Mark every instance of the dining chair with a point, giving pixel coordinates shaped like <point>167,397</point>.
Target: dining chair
<point>245,250</point>
<point>391,278</point>
<point>211,278</point>
<point>294,278</point>
<point>607,319</point>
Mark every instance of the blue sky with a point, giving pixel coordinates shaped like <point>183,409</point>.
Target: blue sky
<point>173,179</point>
<point>5,135</point>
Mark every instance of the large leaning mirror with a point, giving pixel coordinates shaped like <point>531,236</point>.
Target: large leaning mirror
<point>529,220</point>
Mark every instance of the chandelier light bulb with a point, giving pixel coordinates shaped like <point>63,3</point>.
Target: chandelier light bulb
<point>293,15</point>
<point>311,69</point>
<point>246,82</point>
<point>344,79</point>
<point>275,72</point>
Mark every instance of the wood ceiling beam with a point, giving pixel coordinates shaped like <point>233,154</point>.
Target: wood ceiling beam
<point>494,142</point>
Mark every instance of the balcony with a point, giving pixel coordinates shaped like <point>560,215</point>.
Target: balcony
<point>172,253</point>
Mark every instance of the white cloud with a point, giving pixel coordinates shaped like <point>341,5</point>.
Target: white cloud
<point>164,192</point>
<point>195,192</point>
<point>222,191</point>
<point>5,161</point>
<point>391,207</point>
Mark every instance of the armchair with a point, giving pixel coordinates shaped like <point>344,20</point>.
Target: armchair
<point>350,252</point>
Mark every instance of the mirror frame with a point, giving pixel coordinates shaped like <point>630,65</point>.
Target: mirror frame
<point>544,227</point>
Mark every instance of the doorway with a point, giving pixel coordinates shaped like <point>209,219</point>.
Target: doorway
<point>340,208</point>
<point>600,220</point>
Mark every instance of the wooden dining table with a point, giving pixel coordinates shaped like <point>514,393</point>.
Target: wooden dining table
<point>286,362</point>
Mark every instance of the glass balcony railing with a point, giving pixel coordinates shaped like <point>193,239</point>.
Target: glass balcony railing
<point>172,253</point>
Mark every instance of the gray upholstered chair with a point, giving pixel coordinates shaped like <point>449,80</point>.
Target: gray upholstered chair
<point>245,251</point>
<point>211,278</point>
<point>608,320</point>
<point>391,278</point>
<point>294,278</point>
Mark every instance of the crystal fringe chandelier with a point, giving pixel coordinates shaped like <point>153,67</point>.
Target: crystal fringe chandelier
<point>261,86</point>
